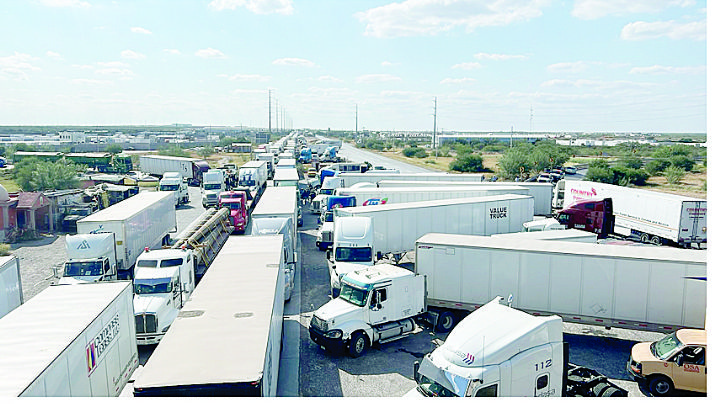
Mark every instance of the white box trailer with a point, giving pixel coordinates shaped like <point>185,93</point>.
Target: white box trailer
<point>575,235</point>
<point>381,196</point>
<point>397,226</point>
<point>286,177</point>
<point>190,168</point>
<point>143,220</point>
<point>226,340</point>
<point>254,175</point>
<point>645,288</point>
<point>11,295</point>
<point>279,202</point>
<point>655,217</point>
<point>70,341</point>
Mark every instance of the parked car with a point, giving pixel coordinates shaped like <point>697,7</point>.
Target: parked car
<point>570,170</point>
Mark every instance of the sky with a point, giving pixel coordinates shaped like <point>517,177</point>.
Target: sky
<point>477,65</point>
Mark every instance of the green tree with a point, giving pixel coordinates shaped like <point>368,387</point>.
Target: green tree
<point>114,149</point>
<point>657,166</point>
<point>468,163</point>
<point>600,174</point>
<point>34,175</point>
<point>632,162</point>
<point>175,151</point>
<point>515,161</point>
<point>683,162</point>
<point>206,151</point>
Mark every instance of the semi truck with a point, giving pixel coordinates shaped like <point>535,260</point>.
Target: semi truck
<point>654,217</point>
<point>262,226</point>
<point>91,258</point>
<point>236,203</point>
<point>365,196</point>
<point>213,184</point>
<point>278,202</point>
<point>190,168</point>
<point>391,230</point>
<point>498,351</point>
<point>205,236</point>
<point>641,288</point>
<point>543,193</point>
<point>143,220</point>
<point>226,341</point>
<point>286,177</point>
<point>254,175</point>
<point>69,341</point>
<point>269,160</point>
<point>174,182</point>
<point>11,295</point>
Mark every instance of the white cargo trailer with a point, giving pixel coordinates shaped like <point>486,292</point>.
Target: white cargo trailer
<point>279,202</point>
<point>254,175</point>
<point>575,235</point>
<point>286,177</point>
<point>638,287</point>
<point>11,295</point>
<point>190,168</point>
<point>143,220</point>
<point>655,217</point>
<point>542,192</point>
<point>70,341</point>
<point>226,340</point>
<point>365,196</point>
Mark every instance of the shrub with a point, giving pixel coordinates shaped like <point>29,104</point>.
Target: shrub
<point>656,167</point>
<point>600,174</point>
<point>414,151</point>
<point>468,163</point>
<point>632,162</point>
<point>684,162</point>
<point>4,249</point>
<point>674,174</point>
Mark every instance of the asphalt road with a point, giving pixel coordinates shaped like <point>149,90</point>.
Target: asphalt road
<point>357,155</point>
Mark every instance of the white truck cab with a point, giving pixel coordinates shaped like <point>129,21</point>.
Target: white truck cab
<point>352,244</point>
<point>213,185</point>
<point>376,304</point>
<point>164,280</point>
<point>173,181</point>
<point>91,258</point>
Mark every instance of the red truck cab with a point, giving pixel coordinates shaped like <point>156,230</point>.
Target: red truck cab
<point>236,202</point>
<point>595,216</point>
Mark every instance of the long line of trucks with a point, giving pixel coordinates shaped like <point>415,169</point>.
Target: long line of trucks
<point>636,287</point>
<point>11,295</point>
<point>110,240</point>
<point>227,339</point>
<point>254,174</point>
<point>363,235</point>
<point>190,169</point>
<point>69,341</point>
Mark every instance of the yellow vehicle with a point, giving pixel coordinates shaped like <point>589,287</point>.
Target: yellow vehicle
<point>677,361</point>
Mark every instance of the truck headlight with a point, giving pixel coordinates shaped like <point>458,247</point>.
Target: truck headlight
<point>334,334</point>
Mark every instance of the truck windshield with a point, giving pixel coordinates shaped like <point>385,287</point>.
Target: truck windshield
<point>353,295</point>
<point>345,254</point>
<point>166,187</point>
<point>149,286</point>
<point>89,268</point>
<point>146,263</point>
<point>173,262</point>
<point>232,205</point>
<point>431,388</point>
<point>667,346</point>
<point>211,186</point>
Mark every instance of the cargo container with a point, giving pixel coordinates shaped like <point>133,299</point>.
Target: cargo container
<point>70,341</point>
<point>254,175</point>
<point>366,196</point>
<point>11,295</point>
<point>190,168</point>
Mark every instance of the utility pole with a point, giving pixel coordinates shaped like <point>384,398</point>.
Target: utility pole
<point>511,133</point>
<point>435,128</point>
<point>277,114</point>
<point>270,111</point>
<point>356,119</point>
<point>531,118</point>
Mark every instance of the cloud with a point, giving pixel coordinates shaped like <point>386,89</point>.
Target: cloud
<point>65,3</point>
<point>597,85</point>
<point>91,81</point>
<point>128,54</point>
<point>293,62</point>
<point>140,30</point>
<point>119,69</point>
<point>376,78</point>
<point>17,66</point>
<point>463,80</point>
<point>568,67</point>
<point>467,66</point>
<point>210,53</point>
<point>53,55</point>
<point>329,79</point>
<point>657,69</point>
<point>593,9</point>
<point>389,64</point>
<point>284,7</point>
<point>172,51</point>
<point>498,56</point>
<point>431,17</point>
<point>245,77</point>
<point>246,91</point>
<point>641,30</point>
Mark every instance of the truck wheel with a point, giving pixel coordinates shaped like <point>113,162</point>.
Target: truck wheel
<point>661,386</point>
<point>644,238</point>
<point>655,240</point>
<point>358,344</point>
<point>445,322</point>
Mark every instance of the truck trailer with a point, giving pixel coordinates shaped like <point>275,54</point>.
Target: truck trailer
<point>654,217</point>
<point>91,258</point>
<point>70,341</point>
<point>254,175</point>
<point>11,295</point>
<point>191,169</point>
<point>143,220</point>
<point>226,340</point>
<point>380,196</point>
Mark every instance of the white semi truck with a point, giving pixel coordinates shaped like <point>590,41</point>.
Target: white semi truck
<point>174,182</point>
<point>263,226</point>
<point>226,341</point>
<point>498,351</point>
<point>254,175</point>
<point>286,177</point>
<point>143,220</point>
<point>643,288</point>
<point>11,295</point>
<point>213,185</point>
<point>191,169</point>
<point>391,230</point>
<point>91,258</point>
<point>654,217</point>
<point>69,341</point>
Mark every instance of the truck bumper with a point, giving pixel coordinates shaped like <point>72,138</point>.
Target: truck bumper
<point>636,376</point>
<point>333,345</point>
<point>148,339</point>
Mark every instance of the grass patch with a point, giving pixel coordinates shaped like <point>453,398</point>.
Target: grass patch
<point>8,182</point>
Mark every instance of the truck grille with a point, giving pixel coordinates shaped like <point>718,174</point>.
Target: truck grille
<point>145,323</point>
<point>318,323</point>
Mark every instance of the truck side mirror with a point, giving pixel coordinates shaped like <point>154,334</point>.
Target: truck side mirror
<point>379,256</point>
<point>680,359</point>
<point>416,371</point>
<point>327,254</point>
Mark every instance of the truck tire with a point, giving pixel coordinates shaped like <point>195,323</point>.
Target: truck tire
<point>656,240</point>
<point>445,322</point>
<point>358,344</point>
<point>660,386</point>
<point>645,238</point>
